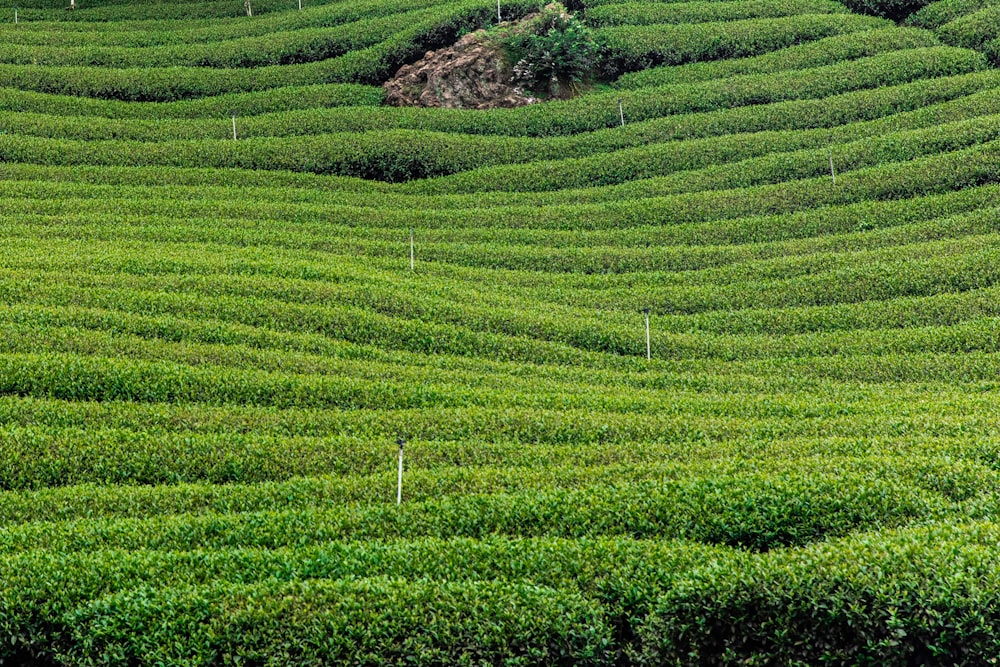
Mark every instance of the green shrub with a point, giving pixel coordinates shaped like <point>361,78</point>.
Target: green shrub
<point>919,596</point>
<point>705,12</point>
<point>552,54</point>
<point>359,622</point>
<point>633,48</point>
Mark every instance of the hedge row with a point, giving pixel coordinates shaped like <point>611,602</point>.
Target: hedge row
<point>633,48</point>
<point>144,34</point>
<point>936,14</point>
<point>729,161</point>
<point>276,48</point>
<point>818,53</point>
<point>488,249</point>
<point>873,598</point>
<point>634,13</point>
<point>112,13</point>
<point>973,31</point>
<point>925,176</point>
<point>955,468</point>
<point>217,107</point>
<point>623,576</point>
<point>357,622</point>
<point>752,511</point>
<point>920,596</point>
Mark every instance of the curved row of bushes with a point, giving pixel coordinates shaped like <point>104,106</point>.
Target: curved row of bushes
<point>705,12</point>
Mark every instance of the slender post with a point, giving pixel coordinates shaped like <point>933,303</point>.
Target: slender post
<point>833,174</point>
<point>649,350</point>
<point>234,125</point>
<point>621,111</point>
<point>499,17</point>
<point>300,5</point>
<point>246,5</point>
<point>399,481</point>
<point>411,249</point>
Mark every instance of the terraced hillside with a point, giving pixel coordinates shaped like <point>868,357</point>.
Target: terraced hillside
<point>209,346</point>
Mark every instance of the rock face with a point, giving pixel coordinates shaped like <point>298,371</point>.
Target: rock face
<point>471,74</point>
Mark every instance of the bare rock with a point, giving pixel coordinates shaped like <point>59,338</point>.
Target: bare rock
<point>471,74</point>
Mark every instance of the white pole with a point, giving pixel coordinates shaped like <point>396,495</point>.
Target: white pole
<point>411,249</point>
<point>300,5</point>
<point>234,126</point>
<point>399,481</point>
<point>621,111</point>
<point>649,350</point>
<point>833,174</point>
<point>499,17</point>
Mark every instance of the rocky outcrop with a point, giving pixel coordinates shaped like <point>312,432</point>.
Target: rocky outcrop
<point>471,74</point>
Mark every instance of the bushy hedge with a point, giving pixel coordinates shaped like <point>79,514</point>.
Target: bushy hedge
<point>973,31</point>
<point>633,48</point>
<point>688,165</point>
<point>357,622</point>
<point>704,12</point>
<point>936,14</point>
<point>921,596</point>
<point>145,34</point>
<point>623,576</point>
<point>216,107</point>
<point>818,53</point>
<point>277,48</point>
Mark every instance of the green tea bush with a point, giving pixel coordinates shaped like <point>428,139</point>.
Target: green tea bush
<point>821,52</point>
<point>936,14</point>
<point>900,598</point>
<point>361,622</point>
<point>705,12</point>
<point>633,48</point>
<point>973,31</point>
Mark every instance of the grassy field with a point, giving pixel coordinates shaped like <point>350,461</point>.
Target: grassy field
<point>209,347</point>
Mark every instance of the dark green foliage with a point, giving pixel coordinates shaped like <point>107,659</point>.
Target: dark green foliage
<point>552,54</point>
<point>891,9</point>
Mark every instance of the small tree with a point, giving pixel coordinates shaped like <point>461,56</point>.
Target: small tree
<point>552,54</point>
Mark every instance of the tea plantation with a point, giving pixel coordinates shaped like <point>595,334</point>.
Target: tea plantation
<point>209,346</point>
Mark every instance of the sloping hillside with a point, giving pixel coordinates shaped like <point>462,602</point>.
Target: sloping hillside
<point>232,280</point>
